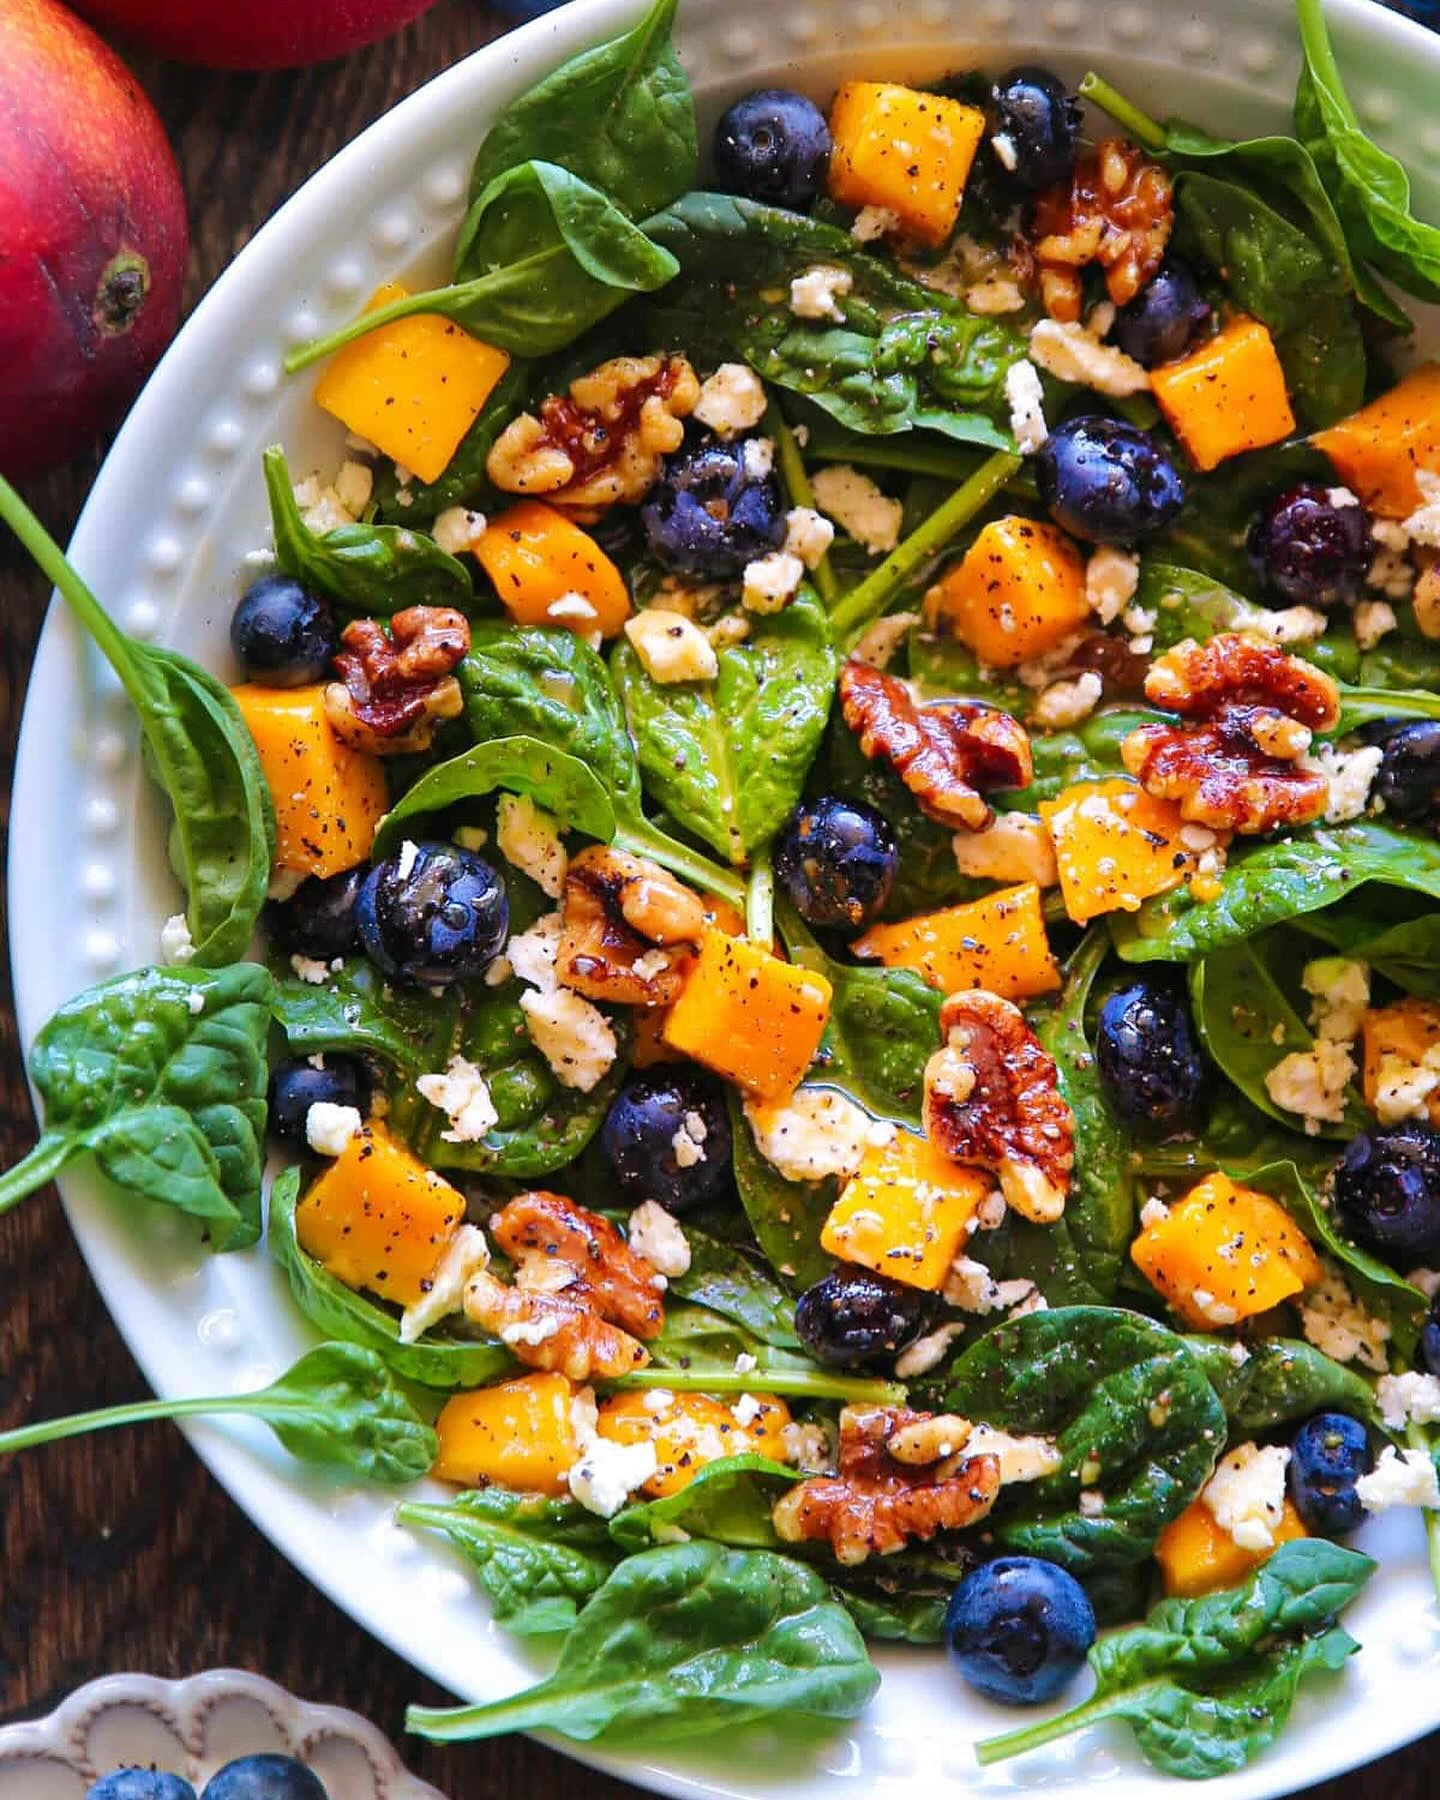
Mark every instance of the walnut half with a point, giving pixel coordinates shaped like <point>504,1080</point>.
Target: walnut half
<point>1117,210</point>
<point>547,1234</point>
<point>622,915</point>
<point>395,687</point>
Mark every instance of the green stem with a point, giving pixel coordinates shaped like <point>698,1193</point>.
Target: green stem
<point>43,1164</point>
<point>454,1724</point>
<point>1320,54</point>
<point>1419,1439</point>
<point>405,308</point>
<point>1145,131</point>
<point>643,839</point>
<point>803,1384</point>
<point>1018,1743</point>
<point>797,486</point>
<point>136,1412</point>
<point>868,602</point>
<point>760,900</point>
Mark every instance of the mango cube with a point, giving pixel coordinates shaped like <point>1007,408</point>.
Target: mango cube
<point>905,1212</point>
<point>1115,845</point>
<point>1402,1060</point>
<point>1226,396</point>
<point>1196,1557</point>
<point>905,150</point>
<point>537,557</point>
<point>690,1430</point>
<point>1018,591</point>
<point>998,943</point>
<point>1377,450</point>
<point>751,1018</point>
<point>518,1434</point>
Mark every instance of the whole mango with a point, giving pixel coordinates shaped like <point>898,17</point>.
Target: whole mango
<point>255,34</point>
<point>93,237</point>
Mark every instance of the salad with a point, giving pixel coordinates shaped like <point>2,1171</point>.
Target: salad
<point>820,865</point>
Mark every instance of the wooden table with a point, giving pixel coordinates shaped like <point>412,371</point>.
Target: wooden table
<point>121,1552</point>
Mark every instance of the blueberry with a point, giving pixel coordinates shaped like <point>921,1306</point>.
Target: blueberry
<point>1034,127</point>
<point>319,917</point>
<point>296,1085</point>
<point>1018,1629</point>
<point>836,860</point>
<point>1409,777</point>
<point>1430,1339</point>
<point>1107,482</point>
<point>773,146</point>
<point>282,635</point>
<point>1309,551</point>
<point>266,1777</point>
<point>656,1125</point>
<point>852,1319</point>
<point>1388,1189</point>
<point>1160,323</point>
<point>433,913</point>
<point>707,517</point>
<point>1328,1455</point>
<point>1149,1061</point>
<point>141,1784</point>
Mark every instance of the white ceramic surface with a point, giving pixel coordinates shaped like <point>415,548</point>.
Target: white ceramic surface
<point>192,1728</point>
<point>174,510</point>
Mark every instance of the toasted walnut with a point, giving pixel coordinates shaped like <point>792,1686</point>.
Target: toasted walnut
<point>992,1097</point>
<point>1116,211</point>
<point>949,755</point>
<point>1254,708</point>
<point>928,1438</point>
<point>546,1229</point>
<point>620,912</point>
<point>395,687</point>
<point>601,444</point>
<point>875,1504</point>
<point>552,1331</point>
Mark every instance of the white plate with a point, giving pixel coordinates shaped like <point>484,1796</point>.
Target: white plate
<point>175,508</point>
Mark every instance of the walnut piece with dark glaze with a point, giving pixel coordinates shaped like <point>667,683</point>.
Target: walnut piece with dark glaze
<point>1116,211</point>
<point>622,914</point>
<point>540,1230</point>
<point>949,755</point>
<point>558,1331</point>
<point>396,686</point>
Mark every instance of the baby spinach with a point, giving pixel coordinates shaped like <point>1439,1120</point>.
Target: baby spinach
<point>538,1560</point>
<point>337,1407</point>
<point>619,115</point>
<point>372,569</point>
<point>198,749</point>
<point>1207,1684</point>
<point>786,1216</point>
<point>902,1599</point>
<point>1367,705</point>
<point>1278,1381</point>
<point>723,1280</point>
<point>1383,927</point>
<point>160,1076</point>
<point>727,758</point>
<point>464,481</point>
<point>1133,1414</point>
<point>520,765</point>
<point>728,1502</point>
<point>437,1360</point>
<point>683,1640</point>
<point>355,1009</point>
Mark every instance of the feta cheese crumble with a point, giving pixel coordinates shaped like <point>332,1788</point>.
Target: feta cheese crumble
<point>607,1473</point>
<point>671,647</point>
<point>463,1094</point>
<point>815,1134</point>
<point>758,457</point>
<point>1015,847</point>
<point>808,1447</point>
<point>878,644</point>
<point>1312,1083</point>
<point>817,292</point>
<point>971,1288</point>
<point>1408,1398</point>
<point>329,1128</point>
<point>870,517</point>
<point>176,945</point>
<point>732,400</point>
<point>1350,774</point>
<point>808,534</point>
<point>1025,397</point>
<point>1068,702</point>
<point>533,954</point>
<point>873,222</point>
<point>654,1235</point>
<point>465,1255</point>
<point>1334,1321</point>
<point>687,1142</point>
<point>1373,620</point>
<point>1339,988</point>
<point>1400,1478</point>
<point>572,1035</point>
<point>923,1355</point>
<point>1246,1494</point>
<point>457,529</point>
<point>1111,578</point>
<point>1071,353</point>
<point>771,582</point>
<point>529,840</point>
<point>310,969</point>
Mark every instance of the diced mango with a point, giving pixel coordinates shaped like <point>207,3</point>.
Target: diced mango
<point>1402,1059</point>
<point>748,1016</point>
<point>1196,1557</point>
<point>905,1211</point>
<point>998,943</point>
<point>1115,845</point>
<point>647,1040</point>
<point>690,1430</point>
<point>517,1434</point>
<point>1223,1253</point>
<point>1018,591</point>
<point>541,563</point>
<point>328,798</point>
<point>1377,450</point>
<point>378,1219</point>
<point>906,150</point>
<point>1226,396</point>
<point>413,387</point>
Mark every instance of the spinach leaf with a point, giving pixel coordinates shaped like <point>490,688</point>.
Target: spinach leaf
<point>786,1216</point>
<point>1278,1381</point>
<point>1383,927</point>
<point>1369,704</point>
<point>160,1076</point>
<point>619,116</point>
<point>437,1360</point>
<point>728,1502</point>
<point>1134,1416</point>
<point>1191,603</point>
<point>198,749</point>
<point>902,1601</point>
<point>464,481</point>
<point>725,1281</point>
<point>1091,752</point>
<point>355,1009</point>
<point>519,765</point>
<point>372,569</point>
<point>727,759</point>
<point>539,1560</point>
<point>683,1640</point>
<point>1207,1684</point>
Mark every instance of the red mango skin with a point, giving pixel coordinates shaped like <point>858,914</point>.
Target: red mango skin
<point>251,34</point>
<point>93,236</point>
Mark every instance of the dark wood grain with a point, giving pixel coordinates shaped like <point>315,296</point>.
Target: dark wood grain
<point>122,1552</point>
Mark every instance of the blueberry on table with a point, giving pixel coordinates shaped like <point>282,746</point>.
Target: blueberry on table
<point>773,146</point>
<point>433,914</point>
<point>836,860</point>
<point>1160,323</point>
<point>1107,482</point>
<point>1387,1189</point>
<point>319,917</point>
<point>706,516</point>
<point>282,635</point>
<point>1408,780</point>
<point>1328,1455</point>
<point>853,1319</point>
<point>141,1784</point>
<point>296,1085</point>
<point>1035,127</point>
<point>1311,546</point>
<point>1150,1063</point>
<point>667,1136</point>
<point>1018,1629</point>
<point>267,1777</point>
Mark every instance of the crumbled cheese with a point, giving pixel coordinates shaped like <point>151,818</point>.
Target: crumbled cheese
<point>607,1473</point>
<point>922,1356</point>
<point>1100,320</point>
<point>1340,994</point>
<point>990,1214</point>
<point>1423,525</point>
<point>573,1036</point>
<point>1215,1312</point>
<point>1139,622</point>
<point>687,1141</point>
<point>671,647</point>
<point>771,582</point>
<point>1312,1083</point>
<point>734,628</point>
<point>285,884</point>
<point>1068,702</point>
<point>1289,625</point>
<point>873,519</point>
<point>529,1331</point>
<point>654,1235</point>
<point>353,487</point>
<point>577,614</point>
<point>1400,1478</point>
<point>808,1447</point>
<point>1246,1494</point>
<point>1373,620</point>
<point>1040,671</point>
<point>971,1288</point>
<point>195,1002</point>
<point>1090,1503</point>
<point>1152,1213</point>
<point>745,1362</point>
<point>457,529</point>
<point>1392,575</point>
<point>461,1092</point>
<point>1071,353</point>
<point>732,400</point>
<point>999,295</point>
<point>321,508</point>
<point>1350,774</point>
<point>1006,154</point>
<point>498,971</point>
<point>465,1255</point>
<point>1020,1458</point>
<point>1111,578</point>
<point>817,292</point>
<point>746,1410</point>
<point>1408,1398</point>
<point>1335,1322</point>
<point>312,969</point>
<point>329,1128</point>
<point>816,1133</point>
<point>873,222</point>
<point>1015,847</point>
<point>529,840</point>
<point>533,954</point>
<point>1026,399</point>
<point>808,534</point>
<point>407,859</point>
<point>1238,1354</point>
<point>176,944</point>
<point>880,641</point>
